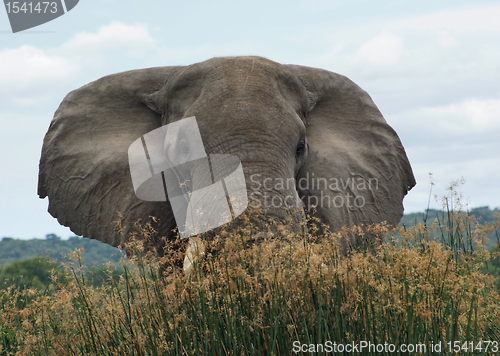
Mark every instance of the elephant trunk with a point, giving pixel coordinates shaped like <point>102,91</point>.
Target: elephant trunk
<point>276,201</point>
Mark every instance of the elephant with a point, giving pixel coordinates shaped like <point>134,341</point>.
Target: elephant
<point>308,141</point>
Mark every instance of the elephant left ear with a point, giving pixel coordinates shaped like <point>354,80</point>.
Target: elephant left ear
<point>84,164</point>
<point>357,170</point>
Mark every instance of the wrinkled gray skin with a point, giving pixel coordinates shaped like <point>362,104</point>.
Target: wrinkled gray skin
<point>282,121</point>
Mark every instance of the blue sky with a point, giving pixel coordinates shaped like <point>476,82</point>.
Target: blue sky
<point>432,68</point>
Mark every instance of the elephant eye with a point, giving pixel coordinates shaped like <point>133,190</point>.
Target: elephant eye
<point>183,151</point>
<point>301,147</point>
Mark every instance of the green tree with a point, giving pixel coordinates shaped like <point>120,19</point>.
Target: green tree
<point>34,272</point>
<point>52,237</point>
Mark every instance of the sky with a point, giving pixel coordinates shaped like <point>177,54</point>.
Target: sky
<point>431,67</point>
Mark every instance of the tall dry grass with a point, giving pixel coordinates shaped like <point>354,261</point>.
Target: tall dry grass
<point>247,298</point>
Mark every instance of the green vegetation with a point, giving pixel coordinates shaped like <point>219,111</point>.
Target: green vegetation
<point>482,215</point>
<point>38,272</point>
<point>95,253</point>
<point>33,262</point>
<point>34,272</point>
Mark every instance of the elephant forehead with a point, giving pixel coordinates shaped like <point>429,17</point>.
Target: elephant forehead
<point>261,77</point>
<point>238,94</point>
<point>245,119</point>
<point>247,78</point>
<point>234,66</point>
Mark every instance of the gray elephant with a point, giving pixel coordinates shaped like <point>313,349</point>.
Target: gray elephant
<point>307,140</point>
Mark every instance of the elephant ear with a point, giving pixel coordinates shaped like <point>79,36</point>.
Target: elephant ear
<point>84,168</point>
<point>357,170</point>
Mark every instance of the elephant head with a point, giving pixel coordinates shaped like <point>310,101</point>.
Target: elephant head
<point>307,139</point>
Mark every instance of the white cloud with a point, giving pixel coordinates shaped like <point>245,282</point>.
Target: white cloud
<point>461,20</point>
<point>27,72</point>
<point>21,67</point>
<point>452,141</point>
<point>468,117</point>
<point>478,168</point>
<point>445,40</point>
<point>116,36</point>
<point>324,5</point>
<point>483,115</point>
<point>385,49</point>
<point>417,61</point>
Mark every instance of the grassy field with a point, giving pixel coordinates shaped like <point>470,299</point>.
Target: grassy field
<point>292,294</point>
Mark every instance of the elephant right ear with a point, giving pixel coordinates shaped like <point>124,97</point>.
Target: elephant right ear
<point>357,170</point>
<point>84,168</point>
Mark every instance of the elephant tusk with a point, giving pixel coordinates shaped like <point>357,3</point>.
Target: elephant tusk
<point>195,251</point>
